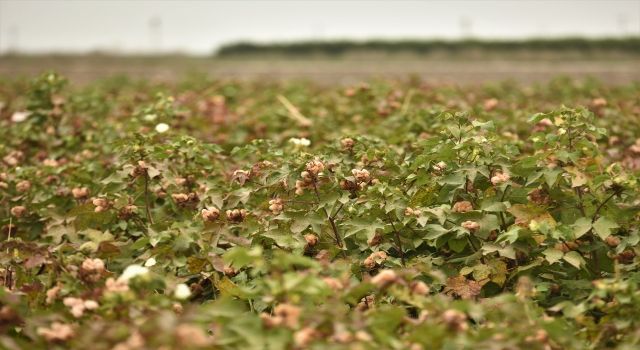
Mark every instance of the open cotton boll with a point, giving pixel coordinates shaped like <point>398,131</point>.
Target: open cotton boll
<point>20,116</point>
<point>150,262</point>
<point>133,271</point>
<point>182,291</point>
<point>304,142</point>
<point>150,117</point>
<point>162,127</point>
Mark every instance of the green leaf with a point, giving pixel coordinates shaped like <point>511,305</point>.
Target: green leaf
<point>553,255</point>
<point>603,227</point>
<point>574,258</point>
<point>300,225</point>
<point>457,245</point>
<point>581,226</point>
<point>435,231</point>
<point>551,175</point>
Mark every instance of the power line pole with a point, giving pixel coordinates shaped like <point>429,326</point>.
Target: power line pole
<point>155,34</point>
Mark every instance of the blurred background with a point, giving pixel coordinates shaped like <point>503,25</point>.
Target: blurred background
<point>471,41</point>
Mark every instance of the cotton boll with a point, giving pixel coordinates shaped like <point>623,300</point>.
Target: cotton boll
<point>162,127</point>
<point>182,291</point>
<point>133,271</point>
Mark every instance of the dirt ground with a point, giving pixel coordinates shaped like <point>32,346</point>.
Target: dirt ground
<point>84,69</point>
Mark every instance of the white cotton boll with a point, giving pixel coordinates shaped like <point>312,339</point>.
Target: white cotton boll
<point>19,116</point>
<point>91,304</point>
<point>150,117</point>
<point>162,127</point>
<point>303,142</point>
<point>133,271</point>
<point>150,262</point>
<point>182,291</point>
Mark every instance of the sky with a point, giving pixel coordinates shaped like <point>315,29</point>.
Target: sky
<point>198,27</point>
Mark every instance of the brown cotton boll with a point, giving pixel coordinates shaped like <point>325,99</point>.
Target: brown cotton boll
<point>375,240</point>
<point>210,215</point>
<point>323,257</point>
<point>369,263</point>
<point>333,283</point>
<point>52,294</point>
<point>311,239</point>
<point>462,207</point>
<point>372,260</point>
<point>270,321</point>
<point>470,225</point>
<point>347,144</point>
<point>419,288</point>
<point>304,337</point>
<point>101,204</point>
<point>127,211</point>
<point>363,336</point>
<point>612,241</point>
<point>181,181</point>
<point>18,211</point>
<point>562,247</point>
<point>51,179</point>
<point>315,167</point>
<point>289,313</point>
<point>539,196</point>
<point>525,287</point>
<point>626,257</point>
<point>276,206</point>
<point>236,215</point>
<point>366,303</point>
<point>177,308</point>
<point>23,186</point>
<point>80,192</point>
<point>490,104</point>
<point>57,332</point>
<point>241,176</point>
<point>192,336</point>
<point>349,185</point>
<point>180,197</point>
<point>230,271</point>
<point>361,175</point>
<point>500,178</point>
<point>598,102</point>
<point>455,320</point>
<point>384,278</point>
<point>92,270</point>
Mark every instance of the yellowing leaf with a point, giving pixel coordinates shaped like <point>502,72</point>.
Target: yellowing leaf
<point>578,178</point>
<point>553,255</point>
<point>603,227</point>
<point>462,287</point>
<point>581,226</point>
<point>524,214</point>
<point>574,258</point>
<point>498,271</point>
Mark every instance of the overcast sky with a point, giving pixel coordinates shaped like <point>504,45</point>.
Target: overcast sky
<point>200,26</point>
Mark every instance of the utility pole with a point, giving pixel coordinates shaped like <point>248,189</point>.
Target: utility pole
<point>155,34</point>
<point>465,27</point>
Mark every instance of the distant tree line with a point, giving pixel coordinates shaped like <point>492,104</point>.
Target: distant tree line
<point>629,45</point>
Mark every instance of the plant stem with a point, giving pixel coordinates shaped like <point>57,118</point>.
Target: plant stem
<point>597,212</point>
<point>334,228</point>
<point>146,198</point>
<point>396,235</point>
